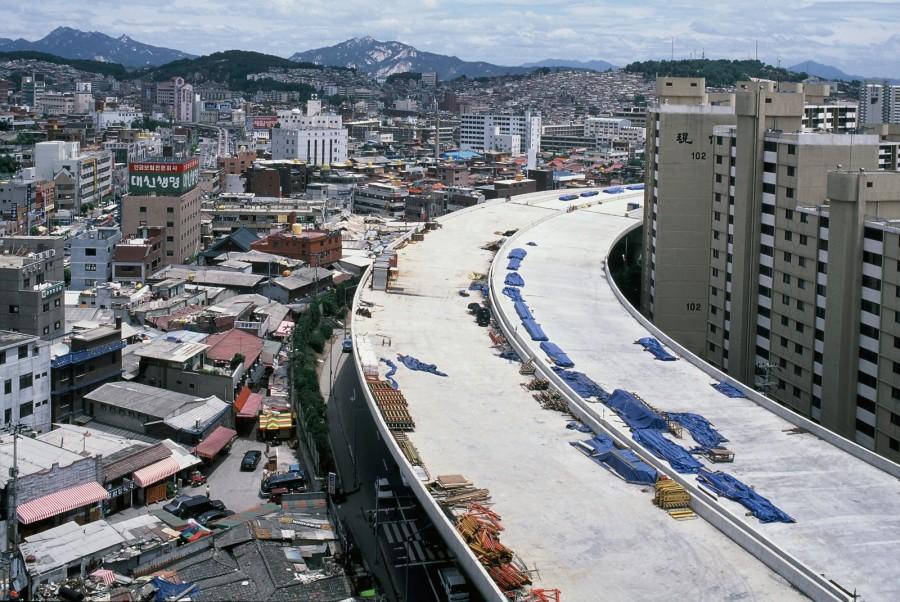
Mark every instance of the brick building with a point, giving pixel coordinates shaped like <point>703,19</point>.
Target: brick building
<point>315,247</point>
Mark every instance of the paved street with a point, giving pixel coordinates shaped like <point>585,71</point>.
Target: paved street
<point>238,490</point>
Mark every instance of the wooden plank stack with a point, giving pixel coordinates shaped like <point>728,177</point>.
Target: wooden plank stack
<point>673,498</point>
<point>480,527</point>
<point>393,405</point>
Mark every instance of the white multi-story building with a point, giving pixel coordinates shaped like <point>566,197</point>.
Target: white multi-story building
<point>492,132</point>
<point>88,175</point>
<point>25,374</point>
<point>178,96</point>
<point>317,138</point>
<point>123,115</point>
<point>613,129</point>
<point>838,117</point>
<point>879,103</point>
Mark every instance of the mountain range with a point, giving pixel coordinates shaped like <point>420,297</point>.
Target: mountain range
<point>76,44</point>
<point>381,59</point>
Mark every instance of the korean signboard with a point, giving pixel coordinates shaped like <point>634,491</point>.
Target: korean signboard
<point>163,178</point>
<point>263,122</point>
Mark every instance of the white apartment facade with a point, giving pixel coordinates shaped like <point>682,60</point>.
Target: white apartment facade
<point>90,172</point>
<point>25,377</point>
<point>316,138</point>
<point>879,103</point>
<point>382,199</point>
<point>486,131</point>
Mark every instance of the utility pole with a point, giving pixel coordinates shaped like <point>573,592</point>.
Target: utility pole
<point>13,544</point>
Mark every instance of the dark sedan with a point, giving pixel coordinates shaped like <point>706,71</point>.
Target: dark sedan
<point>251,459</point>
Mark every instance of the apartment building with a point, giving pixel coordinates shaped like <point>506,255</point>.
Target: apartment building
<point>178,98</point>
<point>163,193</point>
<point>231,212</point>
<point>86,361</point>
<point>25,374</point>
<point>316,146</point>
<point>879,103</point>
<point>314,247</point>
<point>81,177</point>
<point>33,299</point>
<point>90,256</point>
<point>380,198</point>
<point>837,117</point>
<point>677,214</point>
<point>486,132</point>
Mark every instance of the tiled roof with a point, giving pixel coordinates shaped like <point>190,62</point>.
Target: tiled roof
<point>223,346</point>
<point>136,461</point>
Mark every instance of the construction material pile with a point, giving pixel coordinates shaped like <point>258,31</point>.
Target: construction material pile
<point>455,491</point>
<point>673,498</point>
<point>392,404</point>
<point>480,527</point>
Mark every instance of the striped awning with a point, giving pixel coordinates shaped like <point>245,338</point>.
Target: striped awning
<point>104,576</point>
<point>156,472</point>
<point>61,502</point>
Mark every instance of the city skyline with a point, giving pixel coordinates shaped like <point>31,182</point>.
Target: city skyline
<point>862,42</point>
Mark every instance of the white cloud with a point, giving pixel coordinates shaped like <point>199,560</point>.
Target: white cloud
<point>856,36</point>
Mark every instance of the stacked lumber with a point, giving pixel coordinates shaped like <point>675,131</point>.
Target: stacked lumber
<point>537,384</point>
<point>409,450</point>
<point>392,404</point>
<point>673,498</point>
<point>480,527</point>
<point>543,595</point>
<point>527,368</point>
<point>454,491</point>
<point>508,577</point>
<point>550,399</point>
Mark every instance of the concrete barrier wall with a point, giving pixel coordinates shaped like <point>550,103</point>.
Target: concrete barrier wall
<point>795,572</point>
<point>474,570</point>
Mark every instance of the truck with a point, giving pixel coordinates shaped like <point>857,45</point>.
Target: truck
<point>454,584</point>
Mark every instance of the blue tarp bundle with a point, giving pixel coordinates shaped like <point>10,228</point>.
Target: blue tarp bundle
<point>531,243</point>
<point>635,187</point>
<point>513,293</point>
<point>726,485</point>
<point>523,311</point>
<point>556,354</point>
<point>534,330</point>
<point>634,412</point>
<point>623,461</point>
<point>582,384</point>
<point>677,456</point>
<point>631,467</point>
<point>517,253</point>
<point>390,374</point>
<point>514,279</point>
<point>614,190</point>
<point>166,590</point>
<point>479,286</point>
<point>514,264</point>
<point>574,425</point>
<point>510,355</point>
<point>655,347</point>
<point>414,364</point>
<point>702,431</point>
<point>728,390</point>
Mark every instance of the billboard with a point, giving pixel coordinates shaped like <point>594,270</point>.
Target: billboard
<point>165,178</point>
<point>263,122</point>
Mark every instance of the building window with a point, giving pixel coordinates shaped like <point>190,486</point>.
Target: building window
<point>804,239</point>
<point>788,235</point>
<point>25,381</point>
<point>791,170</point>
<point>26,409</point>
<point>56,303</point>
<point>791,150</point>
<point>170,209</point>
<point>787,257</point>
<point>90,267</point>
<point>46,330</point>
<point>23,351</point>
<point>866,429</point>
<point>13,309</point>
<point>56,326</point>
<point>46,307</point>
<point>90,252</point>
<point>789,193</point>
<point>3,357</point>
<point>143,210</point>
<point>786,278</point>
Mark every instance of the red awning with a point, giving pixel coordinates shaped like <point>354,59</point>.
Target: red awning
<point>156,472</point>
<point>241,399</point>
<point>215,442</point>
<point>61,502</point>
<point>251,406</point>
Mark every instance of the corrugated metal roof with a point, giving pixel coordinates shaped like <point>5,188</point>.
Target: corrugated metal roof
<point>201,415</point>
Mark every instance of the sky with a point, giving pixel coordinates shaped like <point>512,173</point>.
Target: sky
<point>858,36</point>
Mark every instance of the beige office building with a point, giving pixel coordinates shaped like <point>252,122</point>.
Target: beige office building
<point>178,215</point>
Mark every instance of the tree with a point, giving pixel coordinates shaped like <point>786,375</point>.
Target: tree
<point>67,276</point>
<point>236,361</point>
<point>8,164</point>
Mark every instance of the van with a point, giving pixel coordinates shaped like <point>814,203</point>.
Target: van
<point>285,480</point>
<point>454,584</point>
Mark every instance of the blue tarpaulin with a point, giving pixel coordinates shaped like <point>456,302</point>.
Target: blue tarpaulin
<point>631,467</point>
<point>728,390</point>
<point>557,355</point>
<point>390,374</point>
<point>655,347</point>
<point>622,461</point>
<point>479,286</point>
<point>634,412</point>
<point>574,425</point>
<point>582,384</point>
<point>514,279</point>
<point>534,330</point>
<point>635,187</point>
<point>523,311</point>
<point>514,264</point>
<point>510,355</point>
<point>513,293</point>
<point>677,456</point>
<point>166,590</point>
<point>702,431</point>
<point>414,364</point>
<point>517,253</point>
<point>726,485</point>
<point>614,190</point>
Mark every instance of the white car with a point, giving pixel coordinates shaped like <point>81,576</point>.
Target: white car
<point>455,587</point>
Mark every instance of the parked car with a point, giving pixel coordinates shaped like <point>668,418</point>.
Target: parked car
<point>176,505</point>
<point>251,459</point>
<point>347,345</point>
<point>211,515</point>
<point>455,587</point>
<point>198,505</point>
<point>285,480</point>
